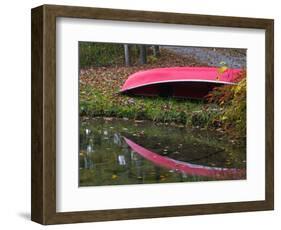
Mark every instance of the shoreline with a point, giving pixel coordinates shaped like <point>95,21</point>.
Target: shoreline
<point>218,130</point>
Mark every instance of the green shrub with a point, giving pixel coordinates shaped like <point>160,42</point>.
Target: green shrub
<point>100,54</point>
<point>234,116</point>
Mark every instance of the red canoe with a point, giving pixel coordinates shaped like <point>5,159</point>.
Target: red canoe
<point>180,82</point>
<point>184,167</point>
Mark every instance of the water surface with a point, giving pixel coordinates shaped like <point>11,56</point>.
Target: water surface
<point>118,152</point>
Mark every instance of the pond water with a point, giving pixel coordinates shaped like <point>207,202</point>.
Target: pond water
<point>119,152</point>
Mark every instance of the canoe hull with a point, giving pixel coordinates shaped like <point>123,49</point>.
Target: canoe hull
<point>179,82</point>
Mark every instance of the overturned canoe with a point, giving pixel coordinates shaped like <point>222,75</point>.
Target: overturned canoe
<point>184,167</point>
<point>180,82</point>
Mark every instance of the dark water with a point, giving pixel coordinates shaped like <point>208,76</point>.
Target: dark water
<point>117,152</point>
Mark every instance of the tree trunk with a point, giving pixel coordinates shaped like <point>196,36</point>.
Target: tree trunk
<point>156,51</point>
<point>127,55</point>
<point>143,54</point>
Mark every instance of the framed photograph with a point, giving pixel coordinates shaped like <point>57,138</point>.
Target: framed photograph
<point>141,114</point>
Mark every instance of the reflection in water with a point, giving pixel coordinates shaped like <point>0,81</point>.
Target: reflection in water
<point>121,160</point>
<point>120,152</point>
<point>184,167</point>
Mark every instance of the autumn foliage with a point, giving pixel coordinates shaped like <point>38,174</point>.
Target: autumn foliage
<point>232,101</point>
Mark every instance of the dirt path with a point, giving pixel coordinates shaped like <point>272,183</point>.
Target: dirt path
<point>234,58</point>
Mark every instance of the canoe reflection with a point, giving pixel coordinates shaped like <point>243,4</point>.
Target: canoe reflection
<point>184,167</point>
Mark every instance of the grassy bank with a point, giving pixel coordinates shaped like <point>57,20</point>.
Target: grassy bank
<point>185,112</point>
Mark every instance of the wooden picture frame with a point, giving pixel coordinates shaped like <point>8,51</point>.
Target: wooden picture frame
<point>43,208</point>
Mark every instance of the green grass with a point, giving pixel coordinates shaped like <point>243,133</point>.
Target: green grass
<point>165,110</point>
